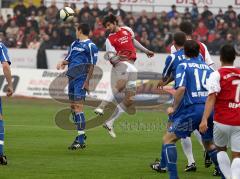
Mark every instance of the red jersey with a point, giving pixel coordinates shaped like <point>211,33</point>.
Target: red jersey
<point>120,41</point>
<point>226,83</point>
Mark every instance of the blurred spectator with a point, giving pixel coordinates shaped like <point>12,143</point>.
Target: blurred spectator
<point>220,15</point>
<point>3,38</point>
<point>229,39</point>
<point>55,39</point>
<point>20,40</point>
<point>87,18</point>
<point>144,40</point>
<point>108,9</point>
<point>20,7</point>
<point>12,30</point>
<point>31,8</point>
<point>187,15</point>
<point>35,44</point>
<point>119,11</point>
<point>173,12</point>
<point>210,22</point>
<point>73,6</point>
<point>158,45</point>
<point>230,10</point>
<point>2,24</point>
<point>206,12</point>
<point>20,19</point>
<point>83,10</point>
<point>237,45</point>
<point>201,31</point>
<point>51,12</point>
<point>194,12</point>
<point>42,8</point>
<point>99,40</point>
<point>41,54</point>
<point>96,12</point>
<point>66,39</point>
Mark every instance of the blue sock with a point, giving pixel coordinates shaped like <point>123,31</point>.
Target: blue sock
<point>163,163</point>
<point>1,136</point>
<point>213,156</point>
<point>79,120</point>
<point>171,159</point>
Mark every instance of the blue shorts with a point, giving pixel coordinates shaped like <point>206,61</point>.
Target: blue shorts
<point>75,89</point>
<point>188,119</point>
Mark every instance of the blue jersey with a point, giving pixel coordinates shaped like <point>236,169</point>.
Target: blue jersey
<point>4,54</point>
<point>192,74</point>
<point>171,63</point>
<point>80,55</point>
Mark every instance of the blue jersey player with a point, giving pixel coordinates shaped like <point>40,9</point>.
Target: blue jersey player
<point>188,107</point>
<point>81,58</point>
<point>4,58</point>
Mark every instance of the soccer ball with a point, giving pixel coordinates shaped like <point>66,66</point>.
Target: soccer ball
<point>66,14</point>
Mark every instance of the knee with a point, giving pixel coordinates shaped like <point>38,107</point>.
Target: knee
<point>77,107</point>
<point>235,155</point>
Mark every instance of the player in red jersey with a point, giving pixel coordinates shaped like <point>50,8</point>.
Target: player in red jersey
<point>224,98</point>
<point>121,52</point>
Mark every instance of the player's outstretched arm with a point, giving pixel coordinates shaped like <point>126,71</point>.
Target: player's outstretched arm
<point>140,47</point>
<point>207,112</point>
<point>8,76</point>
<point>61,65</point>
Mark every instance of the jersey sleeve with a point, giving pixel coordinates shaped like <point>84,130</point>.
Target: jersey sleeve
<point>67,58</point>
<point>4,54</point>
<point>208,58</point>
<point>213,83</point>
<point>129,30</point>
<point>93,53</point>
<point>181,75</point>
<point>168,66</point>
<point>173,49</point>
<point>109,47</point>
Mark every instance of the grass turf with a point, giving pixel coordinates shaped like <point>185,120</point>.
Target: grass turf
<point>37,148</point>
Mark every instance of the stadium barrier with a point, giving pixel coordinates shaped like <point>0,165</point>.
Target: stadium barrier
<point>50,83</point>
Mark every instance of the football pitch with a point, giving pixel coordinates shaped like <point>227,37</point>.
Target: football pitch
<point>37,148</point>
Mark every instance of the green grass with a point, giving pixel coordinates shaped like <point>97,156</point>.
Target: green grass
<point>37,148</point>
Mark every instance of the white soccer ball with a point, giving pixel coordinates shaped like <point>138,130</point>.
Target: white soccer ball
<point>66,14</point>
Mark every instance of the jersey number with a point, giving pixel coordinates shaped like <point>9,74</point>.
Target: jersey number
<point>200,82</point>
<point>237,97</point>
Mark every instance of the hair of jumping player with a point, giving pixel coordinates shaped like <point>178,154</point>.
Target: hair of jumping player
<point>84,28</point>
<point>109,18</point>
<point>191,48</point>
<point>227,54</point>
<point>179,38</point>
<point>186,27</point>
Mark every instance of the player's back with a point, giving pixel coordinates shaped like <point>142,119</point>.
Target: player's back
<point>192,74</point>
<point>227,108</point>
<point>171,63</point>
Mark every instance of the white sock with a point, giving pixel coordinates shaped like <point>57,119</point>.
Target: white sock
<point>199,138</point>
<point>187,149</point>
<point>235,168</point>
<point>115,116</point>
<point>224,164</point>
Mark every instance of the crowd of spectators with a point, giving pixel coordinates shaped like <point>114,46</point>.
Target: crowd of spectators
<point>39,28</point>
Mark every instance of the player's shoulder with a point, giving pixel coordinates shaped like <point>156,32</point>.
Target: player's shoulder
<point>127,29</point>
<point>2,46</point>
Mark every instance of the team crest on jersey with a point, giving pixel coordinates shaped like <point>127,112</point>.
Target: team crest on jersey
<point>125,32</point>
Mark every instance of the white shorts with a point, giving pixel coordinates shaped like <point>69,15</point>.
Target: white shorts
<point>127,72</point>
<point>226,135</point>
